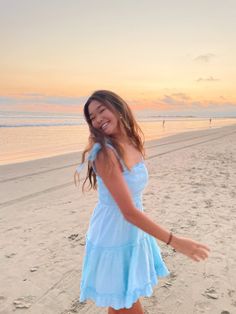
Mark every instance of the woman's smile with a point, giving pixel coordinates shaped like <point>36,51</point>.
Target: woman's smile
<point>104,125</point>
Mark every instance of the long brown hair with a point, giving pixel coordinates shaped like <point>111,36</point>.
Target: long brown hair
<point>125,118</point>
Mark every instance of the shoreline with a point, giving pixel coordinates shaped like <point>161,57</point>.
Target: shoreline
<point>28,144</point>
<point>78,153</point>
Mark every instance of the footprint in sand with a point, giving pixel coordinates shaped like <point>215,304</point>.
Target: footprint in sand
<point>23,302</point>
<point>172,278</point>
<point>231,292</point>
<point>201,307</point>
<point>151,193</point>
<point>191,223</point>
<point>73,236</point>
<point>224,186</point>
<point>208,203</point>
<point>28,230</point>
<point>14,228</point>
<point>75,307</point>
<point>76,237</point>
<point>10,255</point>
<point>211,293</point>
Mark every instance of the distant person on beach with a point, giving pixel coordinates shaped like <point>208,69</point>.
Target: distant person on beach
<point>122,259</point>
<point>210,120</point>
<point>163,123</point>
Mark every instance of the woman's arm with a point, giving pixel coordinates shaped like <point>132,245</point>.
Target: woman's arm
<point>119,190</point>
<point>188,247</point>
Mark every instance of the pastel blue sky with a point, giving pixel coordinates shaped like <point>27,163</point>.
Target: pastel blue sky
<point>169,56</point>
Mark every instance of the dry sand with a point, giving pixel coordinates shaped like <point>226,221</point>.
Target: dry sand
<point>44,218</point>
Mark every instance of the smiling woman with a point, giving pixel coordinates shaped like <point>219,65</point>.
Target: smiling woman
<point>110,119</point>
<point>122,259</point>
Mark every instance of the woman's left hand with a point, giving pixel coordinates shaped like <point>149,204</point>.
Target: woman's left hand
<point>192,249</point>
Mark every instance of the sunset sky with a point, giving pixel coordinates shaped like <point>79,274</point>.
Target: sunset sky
<point>173,57</point>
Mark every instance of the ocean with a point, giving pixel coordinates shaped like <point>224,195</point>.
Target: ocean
<point>27,136</point>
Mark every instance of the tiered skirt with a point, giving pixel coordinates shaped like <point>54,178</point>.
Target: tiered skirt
<point>117,276</point>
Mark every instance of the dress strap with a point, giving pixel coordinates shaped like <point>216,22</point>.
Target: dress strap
<point>117,155</point>
<point>93,154</point>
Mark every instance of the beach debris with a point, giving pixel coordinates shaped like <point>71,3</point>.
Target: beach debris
<point>167,284</point>
<point>73,236</point>
<point>211,293</point>
<point>33,269</point>
<point>23,302</point>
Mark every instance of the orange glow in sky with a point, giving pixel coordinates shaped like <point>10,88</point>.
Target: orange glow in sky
<point>166,56</point>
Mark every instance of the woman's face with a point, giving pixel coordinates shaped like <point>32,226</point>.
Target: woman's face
<point>103,118</point>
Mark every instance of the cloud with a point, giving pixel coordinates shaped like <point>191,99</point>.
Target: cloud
<point>180,104</point>
<point>175,99</point>
<point>41,103</point>
<point>170,103</point>
<point>41,99</point>
<point>205,58</point>
<point>222,97</point>
<point>208,79</point>
<point>181,96</point>
<point>33,95</point>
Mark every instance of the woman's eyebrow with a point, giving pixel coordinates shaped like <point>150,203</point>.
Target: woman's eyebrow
<point>95,110</point>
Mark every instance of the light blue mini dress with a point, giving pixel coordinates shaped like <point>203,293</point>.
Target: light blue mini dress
<point>121,261</point>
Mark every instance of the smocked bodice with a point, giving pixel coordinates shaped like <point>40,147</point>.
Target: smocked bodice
<point>136,180</point>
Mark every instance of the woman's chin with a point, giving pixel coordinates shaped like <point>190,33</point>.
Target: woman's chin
<point>108,131</point>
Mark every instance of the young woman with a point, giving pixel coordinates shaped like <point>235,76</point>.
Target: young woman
<point>122,258</point>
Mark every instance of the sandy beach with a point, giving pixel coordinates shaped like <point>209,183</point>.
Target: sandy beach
<point>44,218</point>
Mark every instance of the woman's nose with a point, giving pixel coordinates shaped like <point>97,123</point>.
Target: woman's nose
<point>99,119</point>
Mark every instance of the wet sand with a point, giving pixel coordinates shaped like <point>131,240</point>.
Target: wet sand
<point>21,144</point>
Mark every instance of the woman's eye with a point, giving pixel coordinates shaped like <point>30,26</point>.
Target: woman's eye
<point>91,119</point>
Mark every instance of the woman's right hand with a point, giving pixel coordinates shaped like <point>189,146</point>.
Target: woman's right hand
<point>192,249</point>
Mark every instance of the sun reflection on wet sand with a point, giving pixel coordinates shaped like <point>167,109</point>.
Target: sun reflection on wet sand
<point>29,143</point>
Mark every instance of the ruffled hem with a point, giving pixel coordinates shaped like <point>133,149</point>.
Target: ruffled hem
<point>118,302</point>
<point>118,278</point>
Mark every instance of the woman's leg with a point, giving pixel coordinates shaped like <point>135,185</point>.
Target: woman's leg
<point>135,309</point>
